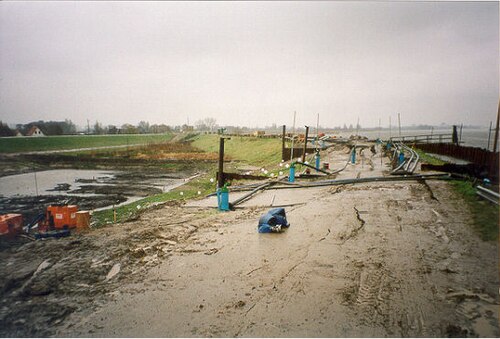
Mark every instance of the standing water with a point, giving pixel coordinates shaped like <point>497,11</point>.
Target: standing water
<point>30,193</point>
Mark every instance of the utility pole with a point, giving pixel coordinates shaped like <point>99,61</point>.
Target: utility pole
<point>399,123</point>
<point>390,128</point>
<point>88,126</point>
<point>495,142</point>
<point>305,145</point>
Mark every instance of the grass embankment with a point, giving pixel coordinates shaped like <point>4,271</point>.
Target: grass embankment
<point>429,159</point>
<point>484,214</point>
<point>246,150</point>
<point>130,211</point>
<point>262,152</point>
<point>67,142</point>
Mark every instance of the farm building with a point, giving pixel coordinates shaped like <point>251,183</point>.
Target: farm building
<point>35,132</point>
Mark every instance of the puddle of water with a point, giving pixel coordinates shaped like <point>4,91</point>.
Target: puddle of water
<point>80,185</point>
<point>43,182</point>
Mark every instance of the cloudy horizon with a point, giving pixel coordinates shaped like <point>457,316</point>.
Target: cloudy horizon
<point>250,63</point>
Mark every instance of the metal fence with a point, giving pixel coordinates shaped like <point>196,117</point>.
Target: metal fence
<point>485,160</point>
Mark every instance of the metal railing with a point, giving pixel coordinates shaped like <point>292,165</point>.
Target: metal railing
<point>426,138</point>
<point>488,194</point>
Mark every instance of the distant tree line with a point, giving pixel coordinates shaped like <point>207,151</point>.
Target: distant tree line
<point>5,131</point>
<point>67,127</point>
<point>47,127</point>
<point>143,127</point>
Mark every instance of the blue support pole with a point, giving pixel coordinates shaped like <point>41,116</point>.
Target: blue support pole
<point>318,159</point>
<point>353,155</point>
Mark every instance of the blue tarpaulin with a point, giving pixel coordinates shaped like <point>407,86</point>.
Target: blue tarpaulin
<point>273,221</point>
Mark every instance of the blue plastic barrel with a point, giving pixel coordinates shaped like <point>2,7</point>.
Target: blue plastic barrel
<point>223,199</point>
<point>291,177</point>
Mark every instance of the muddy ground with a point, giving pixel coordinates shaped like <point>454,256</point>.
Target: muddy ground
<point>375,259</point>
<point>91,194</point>
<point>132,179</point>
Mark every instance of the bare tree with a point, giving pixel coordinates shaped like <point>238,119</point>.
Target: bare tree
<point>143,127</point>
<point>206,124</point>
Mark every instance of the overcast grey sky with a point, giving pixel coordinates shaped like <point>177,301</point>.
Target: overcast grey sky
<point>249,63</point>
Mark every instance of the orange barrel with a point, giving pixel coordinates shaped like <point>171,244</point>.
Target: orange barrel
<point>63,216</point>
<point>11,224</point>
<point>82,219</point>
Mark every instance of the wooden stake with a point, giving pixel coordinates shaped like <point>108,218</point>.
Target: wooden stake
<point>496,130</point>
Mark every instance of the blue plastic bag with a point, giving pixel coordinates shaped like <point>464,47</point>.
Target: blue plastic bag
<point>273,221</point>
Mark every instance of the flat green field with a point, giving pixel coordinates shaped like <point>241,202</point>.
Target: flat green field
<point>67,142</point>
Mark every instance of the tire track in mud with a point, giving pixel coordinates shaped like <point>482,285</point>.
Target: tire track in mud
<point>380,298</point>
<point>370,286</point>
<point>380,295</point>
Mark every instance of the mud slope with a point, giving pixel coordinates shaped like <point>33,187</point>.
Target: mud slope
<point>376,259</point>
<point>368,260</point>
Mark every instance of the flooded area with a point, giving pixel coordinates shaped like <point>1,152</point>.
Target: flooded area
<point>29,193</point>
<point>48,182</point>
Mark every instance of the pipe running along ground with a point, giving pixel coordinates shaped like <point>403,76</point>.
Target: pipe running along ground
<point>344,182</point>
<point>409,164</point>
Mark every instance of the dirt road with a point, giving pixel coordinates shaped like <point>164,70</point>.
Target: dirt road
<point>374,259</point>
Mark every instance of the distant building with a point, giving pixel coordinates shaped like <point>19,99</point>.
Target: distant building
<point>259,133</point>
<point>18,133</point>
<point>35,132</point>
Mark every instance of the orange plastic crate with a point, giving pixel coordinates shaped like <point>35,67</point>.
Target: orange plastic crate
<point>11,224</point>
<point>62,216</point>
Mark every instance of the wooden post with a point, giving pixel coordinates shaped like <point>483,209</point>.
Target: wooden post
<point>283,143</point>
<point>495,141</point>
<point>454,137</point>
<point>305,145</point>
<point>489,136</point>
<point>220,177</point>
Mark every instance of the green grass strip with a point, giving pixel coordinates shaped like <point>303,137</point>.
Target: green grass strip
<point>67,142</point>
<point>484,213</point>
